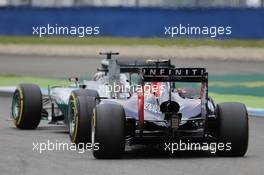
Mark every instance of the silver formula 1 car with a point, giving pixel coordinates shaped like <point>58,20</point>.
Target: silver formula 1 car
<point>136,102</point>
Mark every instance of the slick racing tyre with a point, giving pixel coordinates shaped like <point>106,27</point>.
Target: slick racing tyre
<point>27,106</point>
<point>86,92</point>
<point>81,104</point>
<point>108,131</point>
<point>232,128</point>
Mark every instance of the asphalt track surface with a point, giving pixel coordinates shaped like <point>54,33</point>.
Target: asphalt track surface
<point>81,66</point>
<point>17,155</point>
<point>16,146</point>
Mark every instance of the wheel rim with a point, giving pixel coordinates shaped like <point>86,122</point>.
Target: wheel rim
<point>93,123</point>
<point>16,105</point>
<point>72,121</point>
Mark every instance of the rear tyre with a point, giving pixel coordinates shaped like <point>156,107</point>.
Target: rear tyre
<point>81,104</point>
<point>27,106</point>
<point>86,92</point>
<point>232,128</point>
<point>108,131</point>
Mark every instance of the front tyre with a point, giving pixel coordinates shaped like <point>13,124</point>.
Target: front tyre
<point>81,104</point>
<point>232,128</point>
<point>27,106</point>
<point>108,131</point>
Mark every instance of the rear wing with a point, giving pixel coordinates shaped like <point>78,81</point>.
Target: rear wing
<point>133,66</point>
<point>174,75</point>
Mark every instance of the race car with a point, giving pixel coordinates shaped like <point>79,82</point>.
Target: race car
<point>30,104</point>
<point>136,102</point>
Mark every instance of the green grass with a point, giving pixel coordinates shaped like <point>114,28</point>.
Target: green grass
<point>253,84</point>
<point>249,101</point>
<point>237,78</point>
<point>12,80</point>
<point>129,41</point>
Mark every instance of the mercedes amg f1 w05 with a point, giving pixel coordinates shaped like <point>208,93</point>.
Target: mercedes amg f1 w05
<point>136,102</point>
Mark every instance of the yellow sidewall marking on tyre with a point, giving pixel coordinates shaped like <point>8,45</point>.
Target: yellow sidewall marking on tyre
<point>76,117</point>
<point>94,119</point>
<point>21,106</point>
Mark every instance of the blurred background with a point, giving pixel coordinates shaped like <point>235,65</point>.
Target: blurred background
<point>135,28</point>
<point>136,3</point>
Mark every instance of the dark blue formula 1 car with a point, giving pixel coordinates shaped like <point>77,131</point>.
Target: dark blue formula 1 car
<point>137,102</point>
